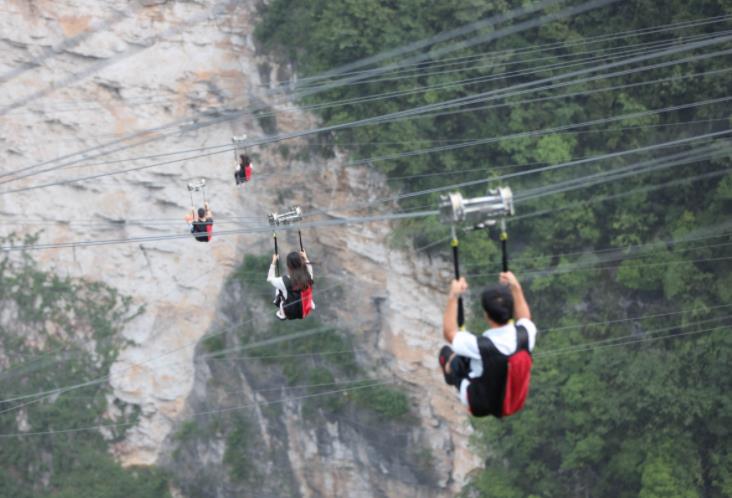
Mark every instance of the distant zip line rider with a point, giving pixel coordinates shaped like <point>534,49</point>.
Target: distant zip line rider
<point>492,371</point>
<point>202,223</point>
<point>294,290</point>
<point>243,172</point>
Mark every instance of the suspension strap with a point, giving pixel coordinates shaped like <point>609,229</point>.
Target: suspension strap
<point>504,240</point>
<point>277,252</point>
<point>299,235</point>
<point>455,259</point>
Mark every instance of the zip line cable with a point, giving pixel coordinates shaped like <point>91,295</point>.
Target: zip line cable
<point>227,352</point>
<point>427,73</point>
<point>405,154</point>
<point>626,257</point>
<point>229,117</point>
<point>594,200</point>
<point>461,45</point>
<point>583,93</point>
<point>206,412</point>
<point>569,268</point>
<point>228,147</point>
<point>554,167</point>
<point>496,77</point>
<point>708,152</point>
<point>371,120</point>
<point>560,270</point>
<point>279,387</point>
<point>639,253</point>
<point>592,40</point>
<point>488,23</point>
<point>266,342</point>
<point>366,219</point>
<point>640,58</point>
<point>220,233</point>
<point>566,129</point>
<point>705,233</point>
<point>38,358</point>
<point>38,396</point>
<point>640,190</point>
<point>433,65</point>
<point>632,340</point>
<point>610,257</point>
<point>145,222</point>
<point>183,121</point>
<point>635,318</point>
<point>587,347</point>
<point>611,340</point>
<point>634,249</point>
<point>435,69</point>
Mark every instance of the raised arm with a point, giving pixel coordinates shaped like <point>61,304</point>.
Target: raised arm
<point>449,319</point>
<point>193,216</point>
<point>520,306</point>
<point>307,264</point>
<point>276,281</point>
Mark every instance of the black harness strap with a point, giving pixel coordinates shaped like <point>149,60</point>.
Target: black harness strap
<point>522,338</point>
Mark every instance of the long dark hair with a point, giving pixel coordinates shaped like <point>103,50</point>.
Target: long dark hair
<point>298,271</point>
<point>244,160</point>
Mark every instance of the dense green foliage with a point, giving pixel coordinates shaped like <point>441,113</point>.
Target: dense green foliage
<point>61,332</point>
<point>641,414</point>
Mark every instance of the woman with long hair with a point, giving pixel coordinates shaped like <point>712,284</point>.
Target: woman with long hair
<point>294,290</point>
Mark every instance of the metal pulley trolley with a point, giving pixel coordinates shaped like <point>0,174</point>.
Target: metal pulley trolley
<point>292,215</point>
<point>482,212</point>
<point>199,186</point>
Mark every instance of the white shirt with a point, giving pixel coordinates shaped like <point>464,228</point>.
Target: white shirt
<point>279,284</point>
<point>504,338</point>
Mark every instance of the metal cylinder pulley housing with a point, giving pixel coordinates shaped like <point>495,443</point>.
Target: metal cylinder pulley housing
<point>195,187</point>
<point>454,208</point>
<point>451,208</point>
<point>292,215</point>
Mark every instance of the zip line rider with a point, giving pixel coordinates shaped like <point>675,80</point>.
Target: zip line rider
<point>201,223</point>
<point>294,290</point>
<point>492,371</point>
<point>243,172</point>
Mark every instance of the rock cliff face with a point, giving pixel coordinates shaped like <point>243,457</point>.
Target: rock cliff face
<point>98,76</point>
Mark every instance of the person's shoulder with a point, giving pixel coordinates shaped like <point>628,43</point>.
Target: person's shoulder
<point>465,338</point>
<point>527,324</point>
<point>466,335</point>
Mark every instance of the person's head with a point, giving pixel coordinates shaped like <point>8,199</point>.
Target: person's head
<point>244,159</point>
<point>497,303</point>
<point>298,271</point>
<point>201,213</point>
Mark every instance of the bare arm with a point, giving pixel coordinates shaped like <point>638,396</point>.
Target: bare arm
<point>193,216</point>
<point>449,319</point>
<point>276,282</point>
<point>520,306</point>
<point>308,266</point>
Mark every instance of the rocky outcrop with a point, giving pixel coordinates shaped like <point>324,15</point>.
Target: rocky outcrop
<point>99,77</point>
